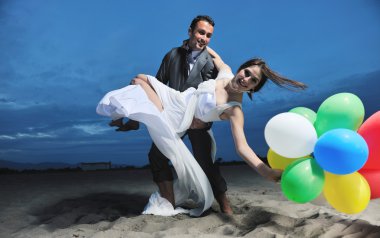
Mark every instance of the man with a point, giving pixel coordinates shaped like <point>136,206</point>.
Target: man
<point>184,67</point>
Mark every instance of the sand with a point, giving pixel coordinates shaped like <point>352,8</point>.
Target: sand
<point>109,203</point>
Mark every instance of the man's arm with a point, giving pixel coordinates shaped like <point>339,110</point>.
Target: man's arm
<point>163,72</point>
<point>212,73</point>
<point>218,62</point>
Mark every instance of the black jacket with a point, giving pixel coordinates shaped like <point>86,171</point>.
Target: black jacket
<point>173,69</point>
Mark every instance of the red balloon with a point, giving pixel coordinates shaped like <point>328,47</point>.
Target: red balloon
<point>373,179</point>
<point>370,131</point>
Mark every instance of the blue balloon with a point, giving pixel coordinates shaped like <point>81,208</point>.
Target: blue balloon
<point>341,151</point>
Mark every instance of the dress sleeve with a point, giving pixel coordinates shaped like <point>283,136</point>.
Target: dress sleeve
<point>223,74</point>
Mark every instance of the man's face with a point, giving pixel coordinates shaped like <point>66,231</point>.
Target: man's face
<point>200,36</point>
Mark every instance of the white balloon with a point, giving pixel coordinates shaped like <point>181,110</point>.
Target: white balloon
<point>290,135</point>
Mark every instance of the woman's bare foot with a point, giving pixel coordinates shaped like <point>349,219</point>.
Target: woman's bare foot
<point>224,204</point>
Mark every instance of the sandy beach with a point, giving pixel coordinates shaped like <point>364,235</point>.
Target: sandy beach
<point>109,204</point>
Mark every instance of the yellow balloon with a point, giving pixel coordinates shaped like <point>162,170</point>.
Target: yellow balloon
<point>277,161</point>
<point>348,193</point>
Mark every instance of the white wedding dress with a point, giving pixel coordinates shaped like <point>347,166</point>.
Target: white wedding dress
<point>166,129</point>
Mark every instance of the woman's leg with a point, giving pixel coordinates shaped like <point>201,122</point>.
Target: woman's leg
<point>152,95</point>
<point>141,80</point>
<point>165,187</point>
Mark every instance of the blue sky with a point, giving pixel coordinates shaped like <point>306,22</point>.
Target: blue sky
<point>58,58</point>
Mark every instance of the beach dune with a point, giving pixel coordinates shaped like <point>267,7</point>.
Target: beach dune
<point>109,204</point>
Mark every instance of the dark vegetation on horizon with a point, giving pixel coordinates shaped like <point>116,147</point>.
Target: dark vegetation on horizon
<point>219,161</point>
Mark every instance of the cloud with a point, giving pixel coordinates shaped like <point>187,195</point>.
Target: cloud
<point>38,135</point>
<point>6,137</point>
<point>6,101</point>
<point>91,129</point>
<point>35,135</point>
<point>14,104</point>
<point>58,61</point>
<point>6,151</point>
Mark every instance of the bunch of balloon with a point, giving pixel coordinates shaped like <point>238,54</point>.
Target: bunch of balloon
<point>370,131</point>
<point>341,152</point>
<point>338,152</point>
<point>291,138</point>
<point>277,161</point>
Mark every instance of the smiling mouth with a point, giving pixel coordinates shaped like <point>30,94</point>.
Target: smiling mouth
<point>241,83</point>
<point>201,44</point>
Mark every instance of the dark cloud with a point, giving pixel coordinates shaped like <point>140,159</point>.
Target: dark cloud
<point>59,58</point>
<point>6,100</point>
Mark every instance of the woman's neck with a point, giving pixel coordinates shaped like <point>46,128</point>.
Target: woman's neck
<point>230,89</point>
<point>225,93</point>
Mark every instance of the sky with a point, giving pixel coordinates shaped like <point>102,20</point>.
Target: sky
<point>58,58</point>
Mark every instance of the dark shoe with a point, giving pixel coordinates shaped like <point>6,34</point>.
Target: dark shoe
<point>118,122</point>
<point>129,125</point>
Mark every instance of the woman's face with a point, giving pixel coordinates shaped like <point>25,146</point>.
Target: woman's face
<point>247,78</point>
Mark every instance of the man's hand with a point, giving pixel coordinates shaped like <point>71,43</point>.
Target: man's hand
<point>198,124</point>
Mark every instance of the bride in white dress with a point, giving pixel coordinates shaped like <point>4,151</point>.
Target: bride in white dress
<point>168,113</point>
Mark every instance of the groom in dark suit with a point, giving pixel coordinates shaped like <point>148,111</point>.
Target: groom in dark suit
<point>184,67</point>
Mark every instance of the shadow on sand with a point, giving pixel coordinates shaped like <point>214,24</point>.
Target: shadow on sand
<point>90,209</point>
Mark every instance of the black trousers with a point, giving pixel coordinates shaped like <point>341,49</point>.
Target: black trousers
<point>201,145</point>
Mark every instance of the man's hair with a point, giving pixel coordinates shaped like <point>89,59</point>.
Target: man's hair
<point>201,18</point>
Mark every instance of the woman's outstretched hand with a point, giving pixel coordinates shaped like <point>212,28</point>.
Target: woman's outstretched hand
<point>270,174</point>
<point>275,175</point>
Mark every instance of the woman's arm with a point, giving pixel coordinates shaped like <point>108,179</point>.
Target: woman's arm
<point>236,117</point>
<point>218,62</point>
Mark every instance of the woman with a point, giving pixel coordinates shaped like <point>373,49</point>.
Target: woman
<point>168,114</point>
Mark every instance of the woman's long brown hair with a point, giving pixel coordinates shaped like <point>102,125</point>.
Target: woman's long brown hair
<point>268,73</point>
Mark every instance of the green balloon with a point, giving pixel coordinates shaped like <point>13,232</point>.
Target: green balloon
<point>303,180</point>
<point>305,112</point>
<point>342,110</point>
